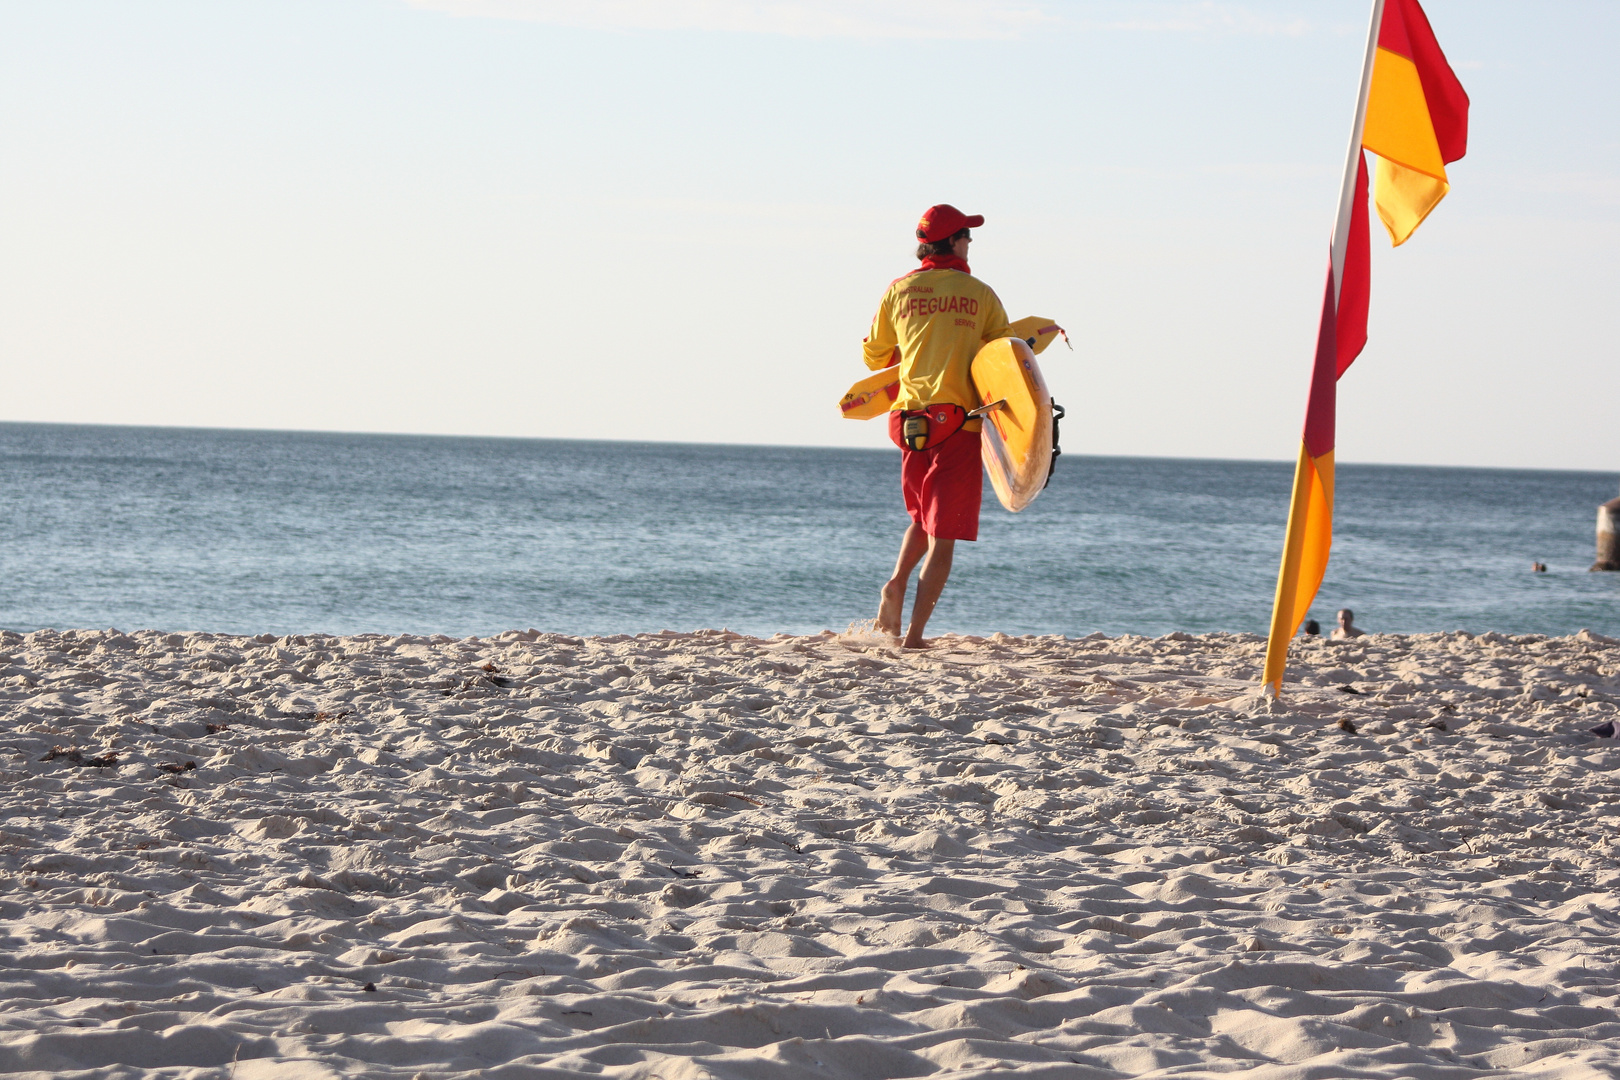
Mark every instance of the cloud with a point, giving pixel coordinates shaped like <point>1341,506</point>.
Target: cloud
<point>916,19</point>
<point>892,19</point>
<point>1205,18</point>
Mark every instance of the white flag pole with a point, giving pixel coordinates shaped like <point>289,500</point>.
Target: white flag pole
<point>1352,159</point>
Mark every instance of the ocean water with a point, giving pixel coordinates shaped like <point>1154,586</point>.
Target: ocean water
<point>253,532</point>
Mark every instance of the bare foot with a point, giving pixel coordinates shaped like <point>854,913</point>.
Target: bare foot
<point>892,604</point>
<point>914,642</point>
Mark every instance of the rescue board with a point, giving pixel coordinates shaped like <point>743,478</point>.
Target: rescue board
<point>1018,429</point>
<point>876,394</point>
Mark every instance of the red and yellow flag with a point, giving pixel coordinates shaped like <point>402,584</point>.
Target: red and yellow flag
<point>1417,119</point>
<point>1413,114</point>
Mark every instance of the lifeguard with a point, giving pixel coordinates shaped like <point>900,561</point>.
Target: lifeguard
<point>931,322</point>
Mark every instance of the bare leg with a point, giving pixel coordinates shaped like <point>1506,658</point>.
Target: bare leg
<point>893,594</point>
<point>930,583</point>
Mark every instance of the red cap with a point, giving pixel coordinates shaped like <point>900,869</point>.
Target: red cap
<point>944,220</point>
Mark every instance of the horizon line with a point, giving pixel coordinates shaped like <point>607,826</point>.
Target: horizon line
<point>759,445</point>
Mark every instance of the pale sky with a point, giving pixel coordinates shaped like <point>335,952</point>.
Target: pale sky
<point>672,219</point>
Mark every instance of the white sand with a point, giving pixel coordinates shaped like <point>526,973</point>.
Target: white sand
<point>704,855</point>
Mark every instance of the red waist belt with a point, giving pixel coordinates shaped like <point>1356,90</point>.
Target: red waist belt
<point>919,429</point>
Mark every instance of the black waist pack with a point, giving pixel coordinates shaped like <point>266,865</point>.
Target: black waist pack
<point>921,428</point>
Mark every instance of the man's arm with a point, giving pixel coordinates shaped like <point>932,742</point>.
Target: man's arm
<point>996,323</point>
<point>881,347</point>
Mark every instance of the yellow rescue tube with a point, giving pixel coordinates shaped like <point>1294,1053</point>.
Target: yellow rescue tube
<point>876,394</point>
<point>1038,332</point>
<point>1017,443</point>
<point>872,396</point>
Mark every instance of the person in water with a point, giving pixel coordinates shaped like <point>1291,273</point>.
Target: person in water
<point>1347,628</point>
<point>932,322</point>
<point>1312,628</point>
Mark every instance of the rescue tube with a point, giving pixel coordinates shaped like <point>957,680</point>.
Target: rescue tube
<point>1017,408</point>
<point>1039,332</point>
<point>876,394</point>
<point>872,396</point>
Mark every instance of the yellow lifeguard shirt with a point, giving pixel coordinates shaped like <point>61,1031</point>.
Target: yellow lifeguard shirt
<point>935,320</point>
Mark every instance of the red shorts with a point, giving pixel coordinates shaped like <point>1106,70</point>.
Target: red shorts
<point>943,484</point>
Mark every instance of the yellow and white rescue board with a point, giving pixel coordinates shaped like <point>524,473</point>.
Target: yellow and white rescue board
<point>1017,443</point>
<point>875,395</point>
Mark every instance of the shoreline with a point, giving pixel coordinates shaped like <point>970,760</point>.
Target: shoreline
<point>707,854</point>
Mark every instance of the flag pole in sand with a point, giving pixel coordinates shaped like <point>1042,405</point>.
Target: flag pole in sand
<point>1412,113</point>
<point>1310,511</point>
